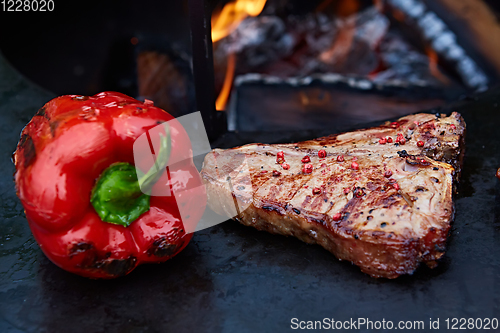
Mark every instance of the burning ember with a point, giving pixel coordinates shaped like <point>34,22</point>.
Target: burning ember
<point>346,37</point>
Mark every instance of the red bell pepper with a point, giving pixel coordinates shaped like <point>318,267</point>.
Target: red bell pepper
<point>76,178</point>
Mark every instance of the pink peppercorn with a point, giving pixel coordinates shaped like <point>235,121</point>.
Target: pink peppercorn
<point>308,168</point>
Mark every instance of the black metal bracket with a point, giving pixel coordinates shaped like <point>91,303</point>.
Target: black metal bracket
<point>200,14</point>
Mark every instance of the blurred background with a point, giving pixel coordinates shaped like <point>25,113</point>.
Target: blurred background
<point>279,65</point>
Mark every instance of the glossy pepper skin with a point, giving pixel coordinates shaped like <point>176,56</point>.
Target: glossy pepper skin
<point>62,152</point>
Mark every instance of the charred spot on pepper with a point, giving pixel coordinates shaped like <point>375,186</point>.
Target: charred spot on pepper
<point>95,260</point>
<point>42,112</point>
<point>118,267</point>
<point>163,248</point>
<point>28,150</point>
<point>53,127</point>
<point>79,247</point>
<point>23,139</point>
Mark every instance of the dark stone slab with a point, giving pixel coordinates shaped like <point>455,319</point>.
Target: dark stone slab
<point>231,278</point>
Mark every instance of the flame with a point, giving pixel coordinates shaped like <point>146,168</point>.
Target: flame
<point>433,66</point>
<point>225,22</point>
<point>228,19</point>
<point>220,103</point>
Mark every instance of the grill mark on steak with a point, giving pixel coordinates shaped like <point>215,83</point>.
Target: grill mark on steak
<point>294,190</point>
<point>386,225</point>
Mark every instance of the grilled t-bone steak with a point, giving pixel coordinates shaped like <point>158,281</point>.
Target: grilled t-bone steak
<point>380,198</point>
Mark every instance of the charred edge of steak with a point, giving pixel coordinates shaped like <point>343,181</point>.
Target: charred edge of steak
<point>97,260</point>
<point>458,162</point>
<point>451,155</point>
<point>406,260</point>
